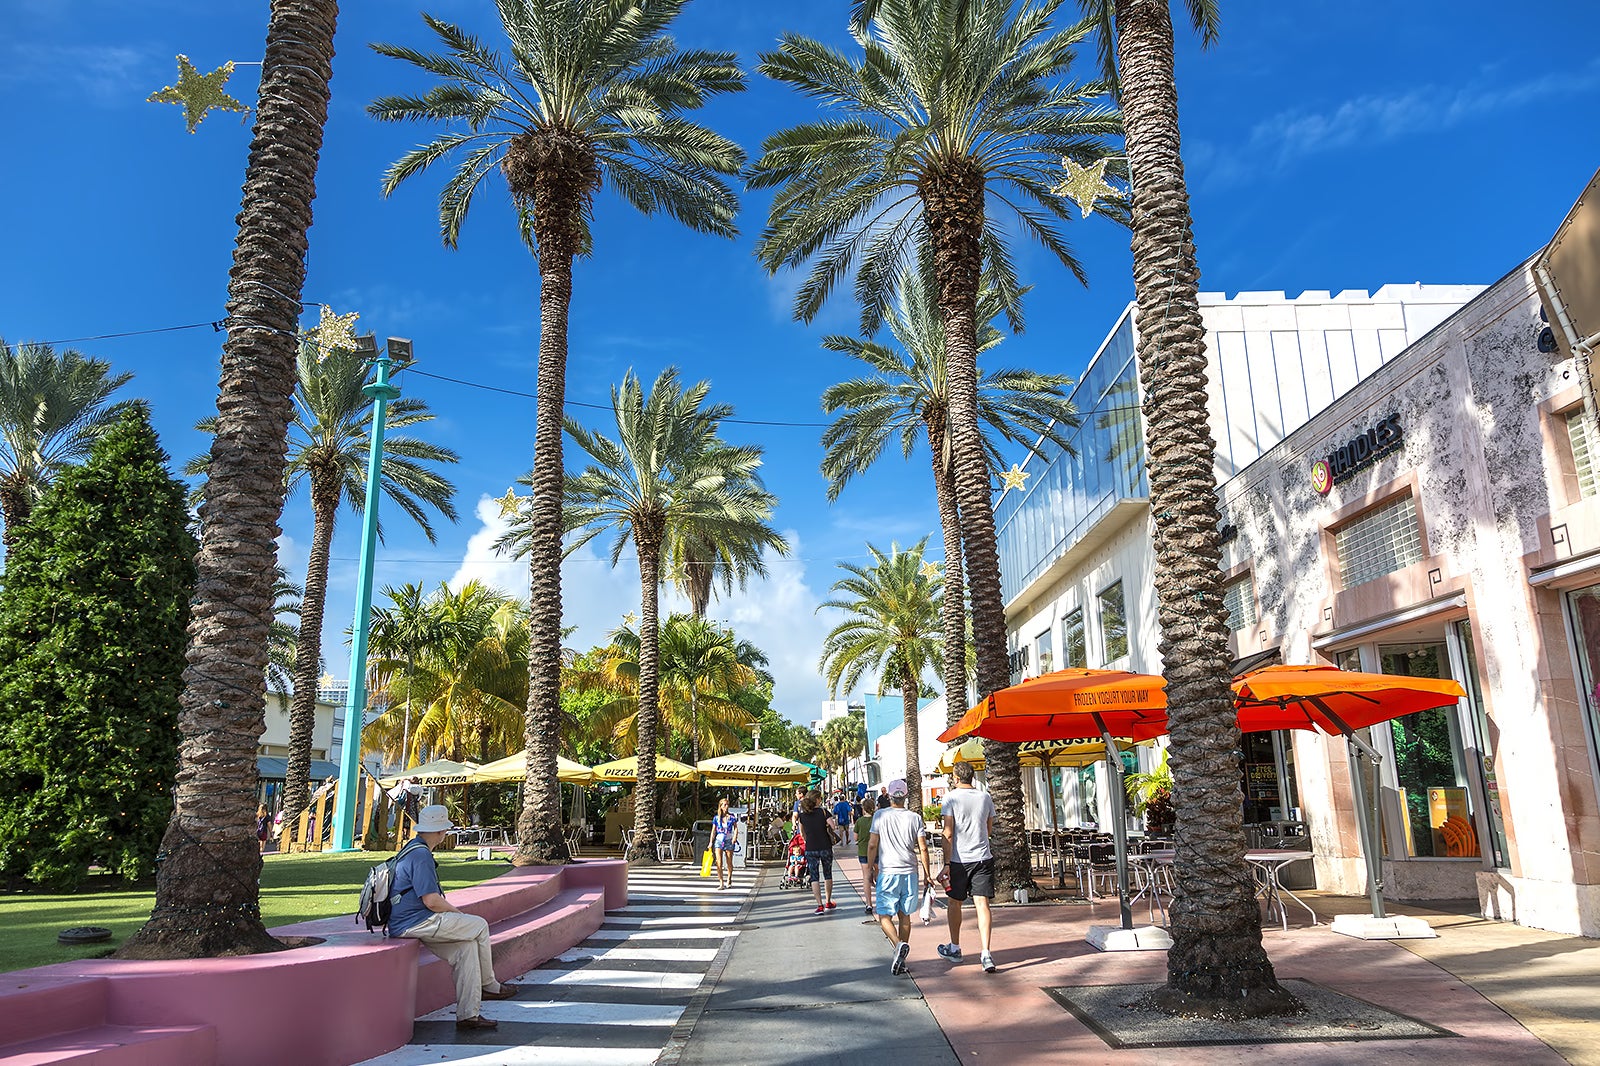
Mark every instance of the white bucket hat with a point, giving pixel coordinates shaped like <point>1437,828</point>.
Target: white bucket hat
<point>434,819</point>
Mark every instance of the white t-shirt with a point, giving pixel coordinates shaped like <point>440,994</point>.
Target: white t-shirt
<point>897,830</point>
<point>971,810</point>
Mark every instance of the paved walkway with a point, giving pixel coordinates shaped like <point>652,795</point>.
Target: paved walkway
<point>690,975</point>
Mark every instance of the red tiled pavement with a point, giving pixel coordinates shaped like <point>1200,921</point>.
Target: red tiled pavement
<point>1005,1017</point>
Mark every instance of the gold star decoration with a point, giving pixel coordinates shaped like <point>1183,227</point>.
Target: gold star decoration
<point>1015,478</point>
<point>1085,184</point>
<point>198,93</point>
<point>930,570</point>
<point>629,619</point>
<point>509,503</point>
<point>333,333</point>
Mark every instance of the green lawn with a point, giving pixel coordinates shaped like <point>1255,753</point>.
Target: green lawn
<point>294,888</point>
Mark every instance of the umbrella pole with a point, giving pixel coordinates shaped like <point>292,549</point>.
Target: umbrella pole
<point>1366,815</point>
<point>1119,821</point>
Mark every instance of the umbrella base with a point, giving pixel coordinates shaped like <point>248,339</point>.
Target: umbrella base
<point>1392,927</point>
<point>1141,938</point>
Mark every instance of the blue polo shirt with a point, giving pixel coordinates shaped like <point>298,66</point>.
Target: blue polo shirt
<point>416,874</point>
<point>842,812</point>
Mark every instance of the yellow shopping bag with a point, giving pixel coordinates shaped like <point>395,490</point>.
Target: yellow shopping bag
<point>705,864</point>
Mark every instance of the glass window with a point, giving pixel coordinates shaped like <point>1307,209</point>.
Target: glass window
<point>1429,766</point>
<point>1349,659</point>
<point>1047,655</point>
<point>1381,541</point>
<point>1239,597</point>
<point>1075,646</point>
<point>1088,797</point>
<point>1482,745</point>
<point>1114,623</point>
<point>1585,614</point>
<point>1583,452</point>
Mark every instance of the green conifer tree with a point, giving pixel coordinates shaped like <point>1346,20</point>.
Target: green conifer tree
<point>93,610</point>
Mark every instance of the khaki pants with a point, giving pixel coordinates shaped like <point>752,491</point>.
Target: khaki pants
<point>462,940</point>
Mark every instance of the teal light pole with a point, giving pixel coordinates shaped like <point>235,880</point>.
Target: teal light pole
<point>355,707</point>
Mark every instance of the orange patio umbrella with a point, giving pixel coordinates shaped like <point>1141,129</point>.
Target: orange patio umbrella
<point>1078,704</point>
<point>1339,702</point>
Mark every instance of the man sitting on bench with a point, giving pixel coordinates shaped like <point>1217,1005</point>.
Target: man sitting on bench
<point>421,912</point>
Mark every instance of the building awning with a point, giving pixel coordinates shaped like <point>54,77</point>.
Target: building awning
<point>273,767</point>
<point>1575,572</point>
<point>1244,664</point>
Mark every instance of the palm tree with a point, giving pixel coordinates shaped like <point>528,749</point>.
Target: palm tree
<point>52,410</point>
<point>397,636</point>
<point>285,634</point>
<point>208,884</point>
<point>596,91</point>
<point>329,441</point>
<point>841,740</point>
<point>666,470</point>
<point>892,630</point>
<point>954,106</point>
<point>1217,963</point>
<point>907,396</point>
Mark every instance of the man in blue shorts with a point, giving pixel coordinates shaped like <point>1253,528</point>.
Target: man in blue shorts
<point>896,849</point>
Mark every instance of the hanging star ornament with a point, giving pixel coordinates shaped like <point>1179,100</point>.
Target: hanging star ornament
<point>629,619</point>
<point>1086,184</point>
<point>510,503</point>
<point>930,570</point>
<point>333,333</point>
<point>198,93</point>
<point>1015,478</point>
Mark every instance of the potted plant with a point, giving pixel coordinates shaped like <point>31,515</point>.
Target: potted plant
<point>1151,796</point>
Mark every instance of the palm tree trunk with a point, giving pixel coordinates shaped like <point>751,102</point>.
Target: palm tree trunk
<point>644,793</point>
<point>15,503</point>
<point>540,841</point>
<point>954,605</point>
<point>325,490</point>
<point>908,707</point>
<point>1216,963</point>
<point>953,206</point>
<point>208,881</point>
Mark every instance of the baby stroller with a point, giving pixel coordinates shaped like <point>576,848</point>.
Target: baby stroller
<point>795,874</point>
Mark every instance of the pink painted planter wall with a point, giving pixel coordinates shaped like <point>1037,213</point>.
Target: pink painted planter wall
<point>350,998</point>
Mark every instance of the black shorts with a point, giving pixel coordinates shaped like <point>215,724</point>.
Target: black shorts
<point>972,879</point>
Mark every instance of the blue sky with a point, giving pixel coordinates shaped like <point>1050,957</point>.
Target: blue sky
<point>1329,146</point>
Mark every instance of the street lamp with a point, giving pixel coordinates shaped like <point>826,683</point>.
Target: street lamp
<point>355,707</point>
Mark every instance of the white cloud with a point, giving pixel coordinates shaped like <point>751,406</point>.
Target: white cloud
<point>778,613</point>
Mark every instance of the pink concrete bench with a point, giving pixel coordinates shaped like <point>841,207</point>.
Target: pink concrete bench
<point>347,999</point>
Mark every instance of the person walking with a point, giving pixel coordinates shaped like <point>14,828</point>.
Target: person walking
<point>968,821</point>
<point>843,816</point>
<point>816,826</point>
<point>421,912</point>
<point>863,831</point>
<point>724,830</point>
<point>896,849</point>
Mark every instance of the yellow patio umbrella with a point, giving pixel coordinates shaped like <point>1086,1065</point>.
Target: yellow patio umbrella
<point>1031,753</point>
<point>752,768</point>
<point>515,768</point>
<point>628,770</point>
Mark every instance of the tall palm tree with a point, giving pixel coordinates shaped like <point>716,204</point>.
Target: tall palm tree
<point>908,396</point>
<point>1217,962</point>
<point>595,91</point>
<point>53,407</point>
<point>665,470</point>
<point>208,884</point>
<point>329,440</point>
<point>841,740</point>
<point>954,107</point>
<point>892,630</point>
<point>699,563</point>
<point>398,634</point>
<point>285,634</point>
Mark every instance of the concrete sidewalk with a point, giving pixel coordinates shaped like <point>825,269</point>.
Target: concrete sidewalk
<point>805,989</point>
<point>815,990</point>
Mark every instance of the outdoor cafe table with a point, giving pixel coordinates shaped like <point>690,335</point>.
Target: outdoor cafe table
<point>1267,864</point>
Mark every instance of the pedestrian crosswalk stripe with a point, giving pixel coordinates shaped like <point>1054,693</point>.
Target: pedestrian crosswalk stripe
<point>625,978</point>
<point>681,932</point>
<point>570,1012</point>
<point>639,954</point>
<point>485,1055</point>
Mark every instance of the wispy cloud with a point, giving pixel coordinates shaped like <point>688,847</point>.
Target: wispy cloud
<point>1371,119</point>
<point>105,74</point>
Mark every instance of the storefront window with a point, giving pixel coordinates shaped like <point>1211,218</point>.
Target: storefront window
<point>1429,766</point>
<point>1075,647</point>
<point>1047,656</point>
<point>1482,744</point>
<point>1585,606</point>
<point>1088,796</point>
<point>1114,623</point>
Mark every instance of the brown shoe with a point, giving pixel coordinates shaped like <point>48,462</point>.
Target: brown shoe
<point>506,992</point>
<point>480,1022</point>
